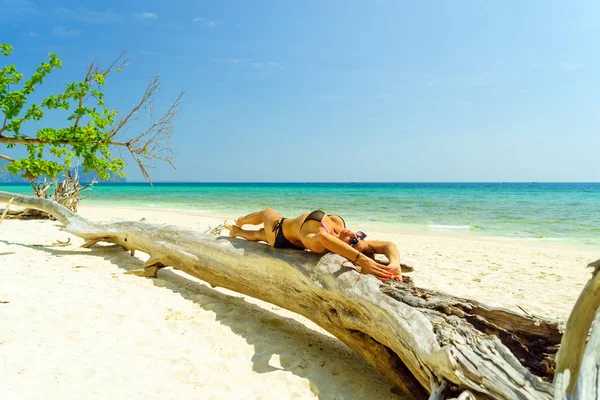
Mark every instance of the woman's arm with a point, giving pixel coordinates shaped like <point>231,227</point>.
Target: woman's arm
<point>335,245</point>
<point>390,250</point>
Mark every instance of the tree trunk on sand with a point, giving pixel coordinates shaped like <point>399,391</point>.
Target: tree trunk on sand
<point>67,193</point>
<point>426,342</point>
<point>574,353</point>
<point>587,381</point>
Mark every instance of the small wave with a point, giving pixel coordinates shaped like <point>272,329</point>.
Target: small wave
<point>155,206</point>
<point>453,227</point>
<point>543,238</point>
<point>190,210</point>
<point>536,239</point>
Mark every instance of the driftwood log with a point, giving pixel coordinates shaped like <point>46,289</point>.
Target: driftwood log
<point>578,364</point>
<point>428,343</point>
<point>587,381</point>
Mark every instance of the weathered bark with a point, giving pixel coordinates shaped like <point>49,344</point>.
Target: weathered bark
<point>533,341</point>
<point>589,375</point>
<point>422,340</point>
<point>574,340</point>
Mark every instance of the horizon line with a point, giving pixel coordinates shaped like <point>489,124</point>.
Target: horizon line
<point>306,182</point>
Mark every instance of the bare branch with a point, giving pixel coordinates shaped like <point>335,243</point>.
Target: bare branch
<point>87,78</point>
<point>153,143</point>
<point>118,63</point>
<point>70,191</point>
<point>151,89</point>
<point>6,210</point>
<point>3,157</point>
<point>141,165</point>
<point>41,188</point>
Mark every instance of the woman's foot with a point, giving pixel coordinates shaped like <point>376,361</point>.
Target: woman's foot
<point>233,229</point>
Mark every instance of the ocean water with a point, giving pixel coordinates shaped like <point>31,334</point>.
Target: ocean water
<point>561,212</point>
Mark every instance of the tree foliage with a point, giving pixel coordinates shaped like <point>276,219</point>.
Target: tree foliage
<point>92,131</point>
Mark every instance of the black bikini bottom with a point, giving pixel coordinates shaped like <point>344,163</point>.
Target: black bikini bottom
<point>281,242</point>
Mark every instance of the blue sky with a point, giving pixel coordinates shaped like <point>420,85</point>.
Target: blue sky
<point>343,90</point>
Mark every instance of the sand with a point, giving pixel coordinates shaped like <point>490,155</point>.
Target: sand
<point>73,325</point>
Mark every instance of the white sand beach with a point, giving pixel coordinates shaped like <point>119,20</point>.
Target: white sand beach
<point>73,325</point>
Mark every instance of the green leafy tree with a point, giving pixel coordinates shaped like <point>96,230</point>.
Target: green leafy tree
<point>92,131</point>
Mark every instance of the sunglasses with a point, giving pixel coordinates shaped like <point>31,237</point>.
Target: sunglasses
<point>360,235</point>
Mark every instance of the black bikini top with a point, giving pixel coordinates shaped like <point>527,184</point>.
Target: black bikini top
<point>318,215</point>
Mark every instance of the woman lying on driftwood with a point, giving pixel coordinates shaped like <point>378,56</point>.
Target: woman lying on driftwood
<point>320,233</point>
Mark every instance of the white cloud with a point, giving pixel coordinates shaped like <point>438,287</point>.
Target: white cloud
<point>62,32</point>
<point>237,60</point>
<point>247,63</point>
<point>32,34</point>
<point>330,97</point>
<point>207,23</point>
<point>144,16</point>
<point>16,10</point>
<point>266,65</point>
<point>570,66</point>
<point>431,80</point>
<point>582,26</point>
<point>89,16</point>
<point>482,79</point>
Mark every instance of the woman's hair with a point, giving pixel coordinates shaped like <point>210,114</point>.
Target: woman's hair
<point>369,251</point>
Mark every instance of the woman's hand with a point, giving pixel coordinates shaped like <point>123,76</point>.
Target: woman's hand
<point>322,242</point>
<point>372,267</point>
<point>396,271</point>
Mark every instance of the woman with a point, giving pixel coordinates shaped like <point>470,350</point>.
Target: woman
<point>320,233</point>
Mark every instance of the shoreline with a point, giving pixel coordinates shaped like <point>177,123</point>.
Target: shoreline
<point>377,229</point>
<point>557,213</point>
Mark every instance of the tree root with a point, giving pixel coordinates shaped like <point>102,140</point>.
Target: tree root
<point>150,269</point>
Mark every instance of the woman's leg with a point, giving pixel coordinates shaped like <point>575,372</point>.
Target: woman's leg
<point>255,218</point>
<point>254,236</point>
<point>268,217</point>
<point>271,217</point>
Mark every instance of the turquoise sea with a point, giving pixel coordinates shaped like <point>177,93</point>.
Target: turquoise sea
<point>561,212</point>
